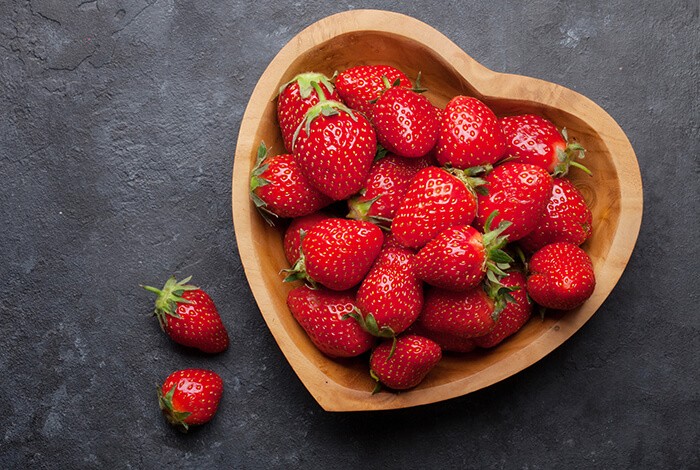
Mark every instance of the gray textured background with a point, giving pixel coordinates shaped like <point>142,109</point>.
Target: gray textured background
<point>118,123</point>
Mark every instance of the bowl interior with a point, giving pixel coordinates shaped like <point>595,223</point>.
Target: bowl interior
<point>456,374</point>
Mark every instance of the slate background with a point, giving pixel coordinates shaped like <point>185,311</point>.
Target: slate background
<point>118,123</point>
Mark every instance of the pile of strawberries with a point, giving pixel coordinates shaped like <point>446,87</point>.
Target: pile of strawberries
<point>418,230</point>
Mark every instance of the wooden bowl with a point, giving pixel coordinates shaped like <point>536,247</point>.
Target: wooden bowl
<point>372,37</point>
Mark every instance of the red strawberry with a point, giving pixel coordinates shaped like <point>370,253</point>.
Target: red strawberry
<point>323,314</point>
<point>292,236</point>
<point>390,297</point>
<point>335,148</point>
<point>188,315</point>
<point>446,341</point>
<point>534,139</point>
<point>405,365</point>
<point>435,200</point>
<point>337,253</point>
<point>359,86</point>
<point>519,192</point>
<point>296,97</point>
<point>561,276</point>
<point>406,122</point>
<point>514,315</point>
<point>279,189</point>
<point>567,218</point>
<point>190,397</point>
<point>468,314</point>
<point>386,185</point>
<point>470,134</point>
<point>459,257</point>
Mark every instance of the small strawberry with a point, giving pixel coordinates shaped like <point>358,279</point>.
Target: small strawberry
<point>323,314</point>
<point>470,134</point>
<point>188,315</point>
<point>567,218</point>
<point>296,97</point>
<point>292,236</point>
<point>359,86</point>
<point>405,364</point>
<point>561,276</point>
<point>279,189</point>
<point>514,315</point>
<point>190,397</point>
<point>436,199</point>
<point>460,256</point>
<point>519,192</point>
<point>536,140</point>
<point>337,253</point>
<point>447,342</point>
<point>406,122</point>
<point>335,148</point>
<point>385,188</point>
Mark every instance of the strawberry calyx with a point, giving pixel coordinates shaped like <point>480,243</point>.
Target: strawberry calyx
<point>568,156</point>
<point>174,417</point>
<point>378,384</point>
<point>309,81</point>
<point>258,181</point>
<point>497,260</point>
<point>359,210</point>
<point>298,271</point>
<point>500,294</point>
<point>168,298</point>
<point>471,177</point>
<point>370,325</point>
<point>322,108</point>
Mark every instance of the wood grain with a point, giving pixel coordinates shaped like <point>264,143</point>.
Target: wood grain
<point>372,37</point>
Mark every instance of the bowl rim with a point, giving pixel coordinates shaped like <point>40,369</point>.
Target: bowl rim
<point>331,395</point>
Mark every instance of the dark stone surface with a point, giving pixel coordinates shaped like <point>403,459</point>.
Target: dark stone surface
<point>118,123</point>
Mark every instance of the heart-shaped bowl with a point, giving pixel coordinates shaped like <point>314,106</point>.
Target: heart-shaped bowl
<point>335,43</point>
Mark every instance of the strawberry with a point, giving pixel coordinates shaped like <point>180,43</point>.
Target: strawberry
<point>514,315</point>
<point>335,148</point>
<point>292,236</point>
<point>279,188</point>
<point>460,256</point>
<point>359,86</point>
<point>536,140</point>
<point>405,364</point>
<point>447,341</point>
<point>296,97</point>
<point>436,199</point>
<point>470,134</point>
<point>468,314</point>
<point>190,397</point>
<point>519,192</point>
<point>390,297</point>
<point>561,276</point>
<point>386,185</point>
<point>188,315</point>
<point>337,253</point>
<point>323,314</point>
<point>567,218</point>
<point>406,122</point>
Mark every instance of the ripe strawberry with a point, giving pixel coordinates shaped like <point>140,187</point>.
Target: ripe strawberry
<point>335,148</point>
<point>406,122</point>
<point>359,86</point>
<point>190,397</point>
<point>514,315</point>
<point>405,364</point>
<point>468,314</point>
<point>292,236</point>
<point>385,188</point>
<point>561,276</point>
<point>460,256</point>
<point>536,140</point>
<point>470,134</point>
<point>188,315</point>
<point>296,97</point>
<point>567,218</point>
<point>436,199</point>
<point>323,314</point>
<point>279,189</point>
<point>337,253</point>
<point>446,341</point>
<point>519,192</point>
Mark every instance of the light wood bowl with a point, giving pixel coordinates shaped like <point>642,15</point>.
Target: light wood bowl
<point>372,37</point>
